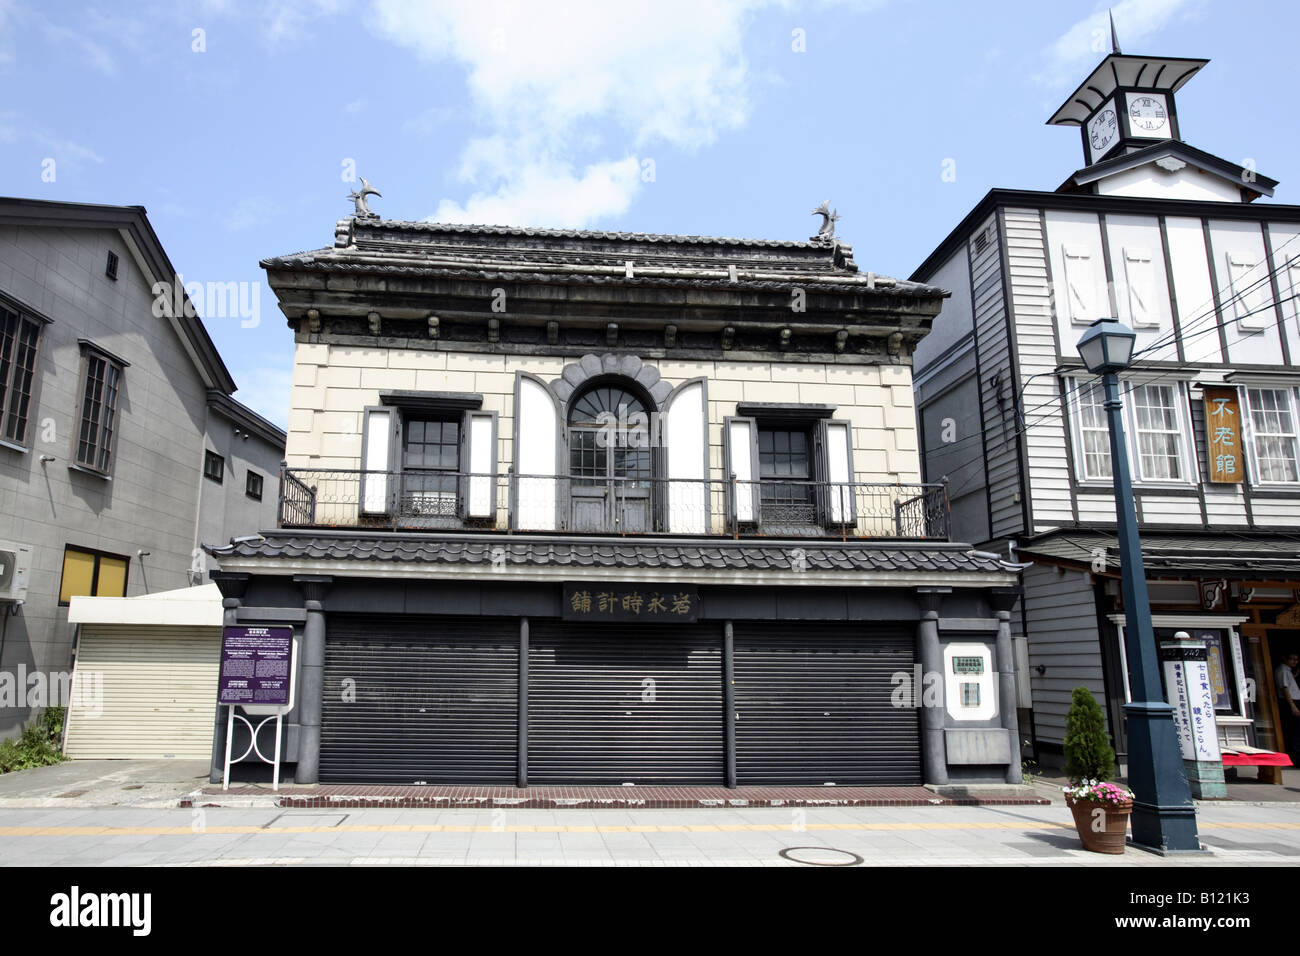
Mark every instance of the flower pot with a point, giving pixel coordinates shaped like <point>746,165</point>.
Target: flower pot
<point>1102,832</point>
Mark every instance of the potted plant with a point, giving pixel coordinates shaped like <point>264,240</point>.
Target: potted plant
<point>1101,810</point>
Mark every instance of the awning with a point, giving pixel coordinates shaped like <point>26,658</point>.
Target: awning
<point>1224,555</point>
<point>184,607</point>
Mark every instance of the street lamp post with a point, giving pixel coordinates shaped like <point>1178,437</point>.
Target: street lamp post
<point>1164,817</point>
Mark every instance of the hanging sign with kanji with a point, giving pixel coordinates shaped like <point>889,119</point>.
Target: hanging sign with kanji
<point>1223,435</point>
<point>647,603</point>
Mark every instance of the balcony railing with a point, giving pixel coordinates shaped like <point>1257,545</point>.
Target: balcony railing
<point>430,500</point>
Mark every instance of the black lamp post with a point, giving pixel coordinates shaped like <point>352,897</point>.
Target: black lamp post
<point>1164,817</point>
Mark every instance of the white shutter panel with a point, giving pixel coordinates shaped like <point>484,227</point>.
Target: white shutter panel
<point>379,443</point>
<point>838,449</point>
<point>1080,284</point>
<point>1139,276</point>
<point>538,437</point>
<point>741,447</point>
<point>1247,308</point>
<point>686,434</point>
<point>480,463</point>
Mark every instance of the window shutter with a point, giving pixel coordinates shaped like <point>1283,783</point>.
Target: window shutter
<point>834,440</point>
<point>478,462</point>
<point>740,450</point>
<point>381,442</point>
<point>1139,276</point>
<point>1240,265</point>
<point>1080,284</point>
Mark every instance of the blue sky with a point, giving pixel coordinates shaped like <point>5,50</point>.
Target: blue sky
<point>683,116</point>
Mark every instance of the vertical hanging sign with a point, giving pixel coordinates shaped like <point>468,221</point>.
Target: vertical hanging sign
<point>1223,435</point>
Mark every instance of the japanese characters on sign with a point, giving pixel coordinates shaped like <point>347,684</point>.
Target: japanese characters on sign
<point>1187,682</point>
<point>255,664</point>
<point>1223,435</point>
<point>631,602</point>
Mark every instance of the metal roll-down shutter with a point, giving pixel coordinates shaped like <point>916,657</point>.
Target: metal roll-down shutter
<point>631,703</point>
<point>813,705</point>
<point>144,691</point>
<point>430,700</point>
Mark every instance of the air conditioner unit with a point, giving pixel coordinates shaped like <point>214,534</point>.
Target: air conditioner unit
<point>15,559</point>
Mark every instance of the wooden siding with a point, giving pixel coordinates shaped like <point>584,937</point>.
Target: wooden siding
<point>1061,614</point>
<point>995,360</point>
<point>1031,297</point>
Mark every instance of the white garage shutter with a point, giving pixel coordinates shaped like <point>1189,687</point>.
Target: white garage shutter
<point>155,689</point>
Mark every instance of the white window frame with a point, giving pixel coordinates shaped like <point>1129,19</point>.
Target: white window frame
<point>1250,435</point>
<point>1188,464</point>
<point>1079,388</point>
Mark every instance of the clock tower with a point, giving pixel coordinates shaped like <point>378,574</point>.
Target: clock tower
<point>1126,103</point>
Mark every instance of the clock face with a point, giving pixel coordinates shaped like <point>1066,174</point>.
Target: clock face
<point>1103,130</point>
<point>1148,114</point>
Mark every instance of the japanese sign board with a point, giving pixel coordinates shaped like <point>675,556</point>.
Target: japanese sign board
<point>632,603</point>
<point>1223,435</point>
<point>1187,683</point>
<point>255,665</point>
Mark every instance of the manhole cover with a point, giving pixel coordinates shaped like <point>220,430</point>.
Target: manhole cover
<point>821,856</point>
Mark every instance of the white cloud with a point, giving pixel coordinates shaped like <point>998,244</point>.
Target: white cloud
<point>553,85</point>
<point>248,212</point>
<point>13,130</point>
<point>1084,44</point>
<point>549,193</point>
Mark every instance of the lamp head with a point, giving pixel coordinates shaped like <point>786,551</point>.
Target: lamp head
<point>1107,346</point>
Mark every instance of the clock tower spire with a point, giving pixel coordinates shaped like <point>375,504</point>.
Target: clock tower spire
<point>1127,102</point>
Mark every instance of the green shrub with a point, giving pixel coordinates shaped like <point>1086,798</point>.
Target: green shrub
<point>1088,753</point>
<point>37,746</point>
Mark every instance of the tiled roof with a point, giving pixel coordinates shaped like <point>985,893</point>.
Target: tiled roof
<point>503,253</point>
<point>724,555</point>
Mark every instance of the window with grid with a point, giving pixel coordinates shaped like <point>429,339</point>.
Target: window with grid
<point>784,453</point>
<point>253,485</point>
<point>430,461</point>
<point>1094,433</point>
<point>214,466</point>
<point>18,338</point>
<point>1159,432</point>
<point>1273,434</point>
<point>98,429</point>
<point>609,439</point>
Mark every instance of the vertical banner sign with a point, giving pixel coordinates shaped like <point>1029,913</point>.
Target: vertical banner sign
<point>1223,435</point>
<point>255,665</point>
<point>1187,680</point>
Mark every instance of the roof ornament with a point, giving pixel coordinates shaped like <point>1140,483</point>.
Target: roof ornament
<point>1114,37</point>
<point>359,199</point>
<point>827,231</point>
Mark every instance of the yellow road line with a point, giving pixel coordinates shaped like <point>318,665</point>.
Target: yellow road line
<point>949,826</point>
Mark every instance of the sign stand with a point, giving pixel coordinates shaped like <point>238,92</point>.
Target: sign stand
<point>259,673</point>
<point>1187,679</point>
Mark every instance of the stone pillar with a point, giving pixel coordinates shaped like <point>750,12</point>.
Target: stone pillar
<point>311,677</point>
<point>1002,601</point>
<point>934,754</point>
<point>232,587</point>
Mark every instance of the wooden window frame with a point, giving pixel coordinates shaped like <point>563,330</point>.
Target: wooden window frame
<point>248,485</point>
<point>94,578</point>
<point>217,475</point>
<point>103,447</point>
<point>9,372</point>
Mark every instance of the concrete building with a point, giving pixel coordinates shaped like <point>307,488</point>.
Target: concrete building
<point>1180,246</point>
<point>605,507</point>
<point>108,407</point>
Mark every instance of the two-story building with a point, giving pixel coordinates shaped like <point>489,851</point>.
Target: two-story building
<point>119,446</point>
<point>570,506</point>
<point>1170,240</point>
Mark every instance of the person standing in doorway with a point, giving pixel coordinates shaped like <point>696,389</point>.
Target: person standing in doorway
<point>1288,692</point>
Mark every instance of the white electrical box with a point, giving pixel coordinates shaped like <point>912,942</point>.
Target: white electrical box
<point>15,560</point>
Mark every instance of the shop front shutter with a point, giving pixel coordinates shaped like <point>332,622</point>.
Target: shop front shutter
<point>611,704</point>
<point>813,705</point>
<point>411,699</point>
<point>142,692</point>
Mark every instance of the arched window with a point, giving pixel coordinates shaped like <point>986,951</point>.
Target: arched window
<point>610,459</point>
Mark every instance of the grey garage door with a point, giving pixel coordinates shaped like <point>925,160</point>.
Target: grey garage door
<point>433,700</point>
<point>617,704</point>
<point>813,706</point>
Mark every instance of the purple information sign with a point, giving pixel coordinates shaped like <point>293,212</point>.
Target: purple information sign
<point>255,665</point>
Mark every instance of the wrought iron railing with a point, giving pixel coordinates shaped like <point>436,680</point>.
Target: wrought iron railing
<point>429,500</point>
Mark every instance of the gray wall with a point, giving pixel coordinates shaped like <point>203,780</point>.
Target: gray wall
<point>151,502</point>
<point>226,510</point>
<point>954,414</point>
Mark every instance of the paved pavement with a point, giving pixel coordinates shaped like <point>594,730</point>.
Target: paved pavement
<point>904,836</point>
<point>103,783</point>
